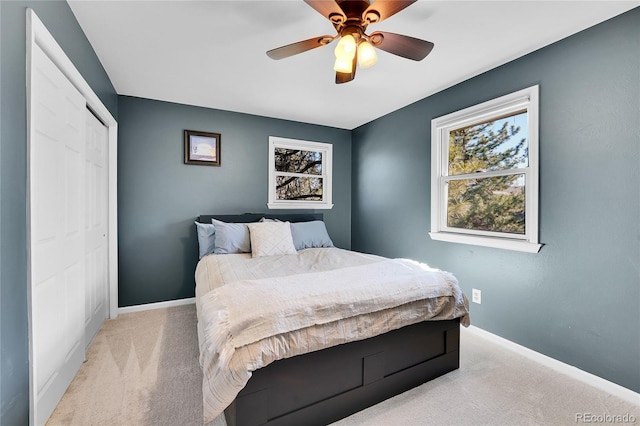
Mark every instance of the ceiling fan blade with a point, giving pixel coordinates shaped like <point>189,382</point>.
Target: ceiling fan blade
<point>326,7</point>
<point>299,47</point>
<point>387,8</point>
<point>345,77</point>
<point>401,45</point>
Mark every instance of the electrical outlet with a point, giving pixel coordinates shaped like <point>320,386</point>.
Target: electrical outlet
<point>476,296</point>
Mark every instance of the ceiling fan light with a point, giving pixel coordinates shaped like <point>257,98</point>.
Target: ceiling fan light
<point>346,47</point>
<point>344,65</point>
<point>367,55</point>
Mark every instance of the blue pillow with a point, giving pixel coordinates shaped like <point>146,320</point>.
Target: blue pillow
<point>310,234</point>
<point>231,237</point>
<point>206,238</point>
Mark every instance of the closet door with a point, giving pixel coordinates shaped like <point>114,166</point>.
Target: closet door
<point>56,233</point>
<point>95,220</point>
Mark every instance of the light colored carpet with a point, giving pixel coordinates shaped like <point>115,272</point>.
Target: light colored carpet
<point>142,369</point>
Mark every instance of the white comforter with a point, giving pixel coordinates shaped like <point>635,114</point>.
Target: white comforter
<point>244,324</point>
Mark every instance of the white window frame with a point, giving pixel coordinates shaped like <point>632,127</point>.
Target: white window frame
<point>327,157</point>
<point>526,99</point>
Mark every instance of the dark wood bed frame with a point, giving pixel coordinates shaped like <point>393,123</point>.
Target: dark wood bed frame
<point>327,385</point>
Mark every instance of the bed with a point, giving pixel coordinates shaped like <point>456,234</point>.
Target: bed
<point>336,346</point>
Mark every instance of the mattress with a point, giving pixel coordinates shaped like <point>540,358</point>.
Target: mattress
<point>349,302</point>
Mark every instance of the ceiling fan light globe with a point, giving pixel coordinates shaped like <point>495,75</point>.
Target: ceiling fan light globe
<point>367,55</point>
<point>346,47</point>
<point>343,65</point>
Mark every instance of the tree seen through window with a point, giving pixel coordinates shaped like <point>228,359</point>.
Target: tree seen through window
<point>485,192</point>
<point>298,174</point>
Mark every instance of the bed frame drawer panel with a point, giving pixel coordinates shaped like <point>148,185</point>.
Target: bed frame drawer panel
<point>337,373</point>
<point>412,346</point>
<point>324,386</point>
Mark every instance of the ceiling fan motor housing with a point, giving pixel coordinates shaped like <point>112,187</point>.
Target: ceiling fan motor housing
<point>354,30</point>
<point>355,15</point>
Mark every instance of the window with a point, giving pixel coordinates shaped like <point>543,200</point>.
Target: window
<point>484,174</point>
<point>299,174</point>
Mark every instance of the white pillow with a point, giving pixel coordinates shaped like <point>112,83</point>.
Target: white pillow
<point>271,238</point>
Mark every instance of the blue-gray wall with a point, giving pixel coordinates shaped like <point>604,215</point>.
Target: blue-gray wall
<point>578,300</point>
<point>159,196</point>
<point>58,18</point>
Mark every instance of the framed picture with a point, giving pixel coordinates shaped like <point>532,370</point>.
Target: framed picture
<point>201,148</point>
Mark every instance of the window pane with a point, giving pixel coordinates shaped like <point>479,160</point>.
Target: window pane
<point>494,145</point>
<point>298,161</point>
<point>298,188</point>
<point>495,204</point>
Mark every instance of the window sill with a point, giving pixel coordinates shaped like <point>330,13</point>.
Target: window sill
<point>299,205</point>
<point>501,243</point>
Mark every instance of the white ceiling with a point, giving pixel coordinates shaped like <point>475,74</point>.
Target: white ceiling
<point>212,53</point>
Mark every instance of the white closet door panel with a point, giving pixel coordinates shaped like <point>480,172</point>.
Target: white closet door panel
<point>73,186</point>
<point>46,181</point>
<point>90,272</point>
<point>74,297</point>
<point>73,122</point>
<point>48,256</point>
<point>44,212</point>
<point>56,196</point>
<point>96,243</point>
<point>47,311</point>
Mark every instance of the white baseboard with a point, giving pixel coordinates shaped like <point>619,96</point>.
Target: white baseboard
<point>559,366</point>
<point>157,305</point>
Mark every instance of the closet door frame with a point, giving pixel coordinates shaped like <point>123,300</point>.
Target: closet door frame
<point>37,34</point>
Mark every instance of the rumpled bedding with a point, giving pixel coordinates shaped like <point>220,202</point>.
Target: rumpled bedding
<point>253,311</point>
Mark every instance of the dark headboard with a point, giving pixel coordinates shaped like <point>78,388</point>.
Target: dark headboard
<point>254,217</point>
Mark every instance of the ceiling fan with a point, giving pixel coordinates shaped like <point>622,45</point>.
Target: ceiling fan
<point>350,18</point>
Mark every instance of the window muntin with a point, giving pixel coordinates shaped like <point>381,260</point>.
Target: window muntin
<point>485,174</point>
<point>299,174</point>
